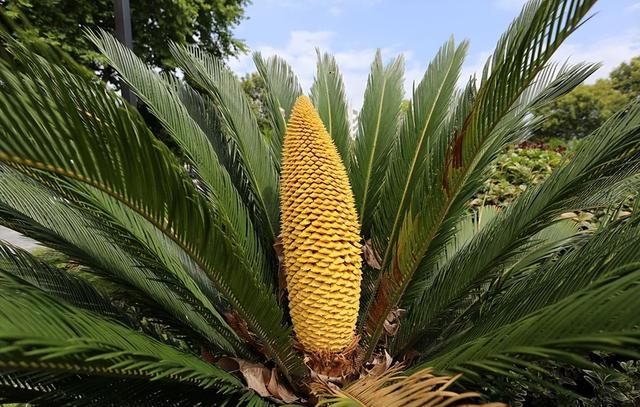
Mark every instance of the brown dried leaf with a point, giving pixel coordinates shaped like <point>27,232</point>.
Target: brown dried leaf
<point>256,376</point>
<point>205,353</point>
<point>370,256</point>
<point>381,363</point>
<point>278,390</point>
<point>392,323</point>
<point>241,328</point>
<point>339,367</point>
<point>228,364</point>
<point>410,356</point>
<point>259,378</point>
<point>282,279</point>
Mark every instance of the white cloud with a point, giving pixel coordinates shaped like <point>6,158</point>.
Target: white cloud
<point>634,7</point>
<point>333,7</point>
<point>300,53</point>
<point>335,10</point>
<point>610,51</point>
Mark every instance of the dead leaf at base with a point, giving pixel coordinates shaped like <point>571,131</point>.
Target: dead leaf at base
<point>340,367</point>
<point>264,381</point>
<point>278,247</point>
<point>393,388</point>
<point>370,256</point>
<point>392,323</point>
<point>381,363</point>
<point>279,390</point>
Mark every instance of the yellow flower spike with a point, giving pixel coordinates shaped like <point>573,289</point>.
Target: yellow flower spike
<point>320,235</point>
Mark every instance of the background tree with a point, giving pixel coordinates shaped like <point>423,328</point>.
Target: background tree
<point>626,77</point>
<point>155,23</point>
<point>582,111</point>
<point>254,87</point>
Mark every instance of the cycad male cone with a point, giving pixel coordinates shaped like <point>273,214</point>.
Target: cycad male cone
<point>320,235</point>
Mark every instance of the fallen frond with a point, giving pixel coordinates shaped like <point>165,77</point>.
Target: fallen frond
<point>393,389</point>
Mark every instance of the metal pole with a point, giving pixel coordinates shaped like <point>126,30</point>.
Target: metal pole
<point>123,32</point>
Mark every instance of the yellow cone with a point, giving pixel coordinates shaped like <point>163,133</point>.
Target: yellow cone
<point>320,235</point>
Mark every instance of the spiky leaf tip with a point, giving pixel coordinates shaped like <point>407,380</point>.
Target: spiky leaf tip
<point>320,235</point>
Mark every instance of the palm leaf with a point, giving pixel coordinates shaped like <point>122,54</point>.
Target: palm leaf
<point>561,331</point>
<point>608,250</point>
<point>283,89</point>
<point>328,96</point>
<point>63,389</point>
<point>166,105</point>
<point>595,177</point>
<point>46,217</point>
<point>378,124</point>
<point>251,151</point>
<point>514,127</point>
<point>48,335</point>
<point>66,126</point>
<point>427,110</point>
<point>56,283</point>
<point>457,152</point>
<point>457,321</point>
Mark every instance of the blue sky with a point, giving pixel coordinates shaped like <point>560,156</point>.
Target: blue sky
<point>353,29</point>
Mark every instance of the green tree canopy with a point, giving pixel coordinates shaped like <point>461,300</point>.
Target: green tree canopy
<point>626,77</point>
<point>582,111</point>
<point>254,87</point>
<point>155,23</point>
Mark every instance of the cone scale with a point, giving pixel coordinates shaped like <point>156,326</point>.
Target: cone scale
<point>320,235</point>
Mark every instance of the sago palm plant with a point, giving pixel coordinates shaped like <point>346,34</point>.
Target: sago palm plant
<point>316,263</point>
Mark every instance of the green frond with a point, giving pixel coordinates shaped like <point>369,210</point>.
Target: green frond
<point>599,257</point>
<point>458,153</point>
<point>40,333</point>
<point>165,103</point>
<point>57,283</point>
<point>51,219</point>
<point>427,111</point>
<point>329,98</point>
<point>80,131</point>
<point>283,89</point>
<point>66,389</point>
<point>520,55</point>
<point>378,124</point>
<point>452,323</point>
<point>595,177</point>
<point>251,151</point>
<point>554,239</point>
<point>550,84</point>
<point>562,331</point>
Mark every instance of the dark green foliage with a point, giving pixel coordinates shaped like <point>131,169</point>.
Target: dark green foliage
<point>513,171</point>
<point>154,23</point>
<point>254,87</point>
<point>528,164</point>
<point>588,106</point>
<point>581,111</point>
<point>612,381</point>
<point>626,78</point>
